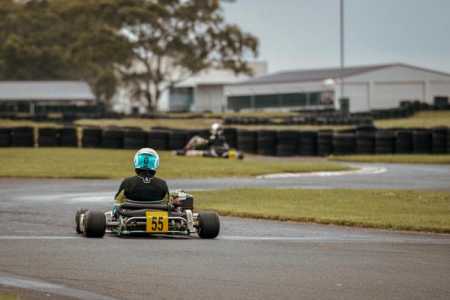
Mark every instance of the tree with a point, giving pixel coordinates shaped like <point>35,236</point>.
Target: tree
<point>63,40</point>
<point>174,39</point>
<point>148,44</point>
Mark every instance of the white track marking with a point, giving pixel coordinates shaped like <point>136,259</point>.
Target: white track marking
<point>42,286</point>
<point>361,171</point>
<point>34,237</point>
<point>373,239</point>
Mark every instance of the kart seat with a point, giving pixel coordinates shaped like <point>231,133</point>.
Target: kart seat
<point>132,208</point>
<point>157,205</point>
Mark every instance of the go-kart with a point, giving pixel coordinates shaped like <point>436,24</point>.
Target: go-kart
<point>149,218</point>
<point>227,154</point>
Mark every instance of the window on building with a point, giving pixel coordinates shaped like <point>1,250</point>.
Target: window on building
<point>297,99</point>
<point>314,99</point>
<point>236,103</point>
<point>263,101</point>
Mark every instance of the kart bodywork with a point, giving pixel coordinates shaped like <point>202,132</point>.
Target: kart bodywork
<point>228,154</point>
<point>150,218</point>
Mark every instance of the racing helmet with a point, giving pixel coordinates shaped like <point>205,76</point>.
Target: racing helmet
<point>146,159</point>
<point>216,128</point>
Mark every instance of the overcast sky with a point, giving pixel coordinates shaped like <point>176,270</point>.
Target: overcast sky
<point>301,34</point>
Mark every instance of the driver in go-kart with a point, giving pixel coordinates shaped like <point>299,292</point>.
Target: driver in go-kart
<point>144,186</point>
<point>215,146</point>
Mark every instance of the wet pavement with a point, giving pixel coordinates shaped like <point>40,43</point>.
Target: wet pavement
<point>251,259</point>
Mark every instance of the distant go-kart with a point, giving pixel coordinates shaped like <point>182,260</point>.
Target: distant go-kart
<point>228,154</point>
<point>149,218</point>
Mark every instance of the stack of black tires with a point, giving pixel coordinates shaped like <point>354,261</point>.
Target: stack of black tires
<point>112,139</point>
<point>91,137</point>
<point>266,142</point>
<point>48,137</point>
<point>325,142</point>
<point>403,142</point>
<point>439,137</point>
<point>135,139</point>
<point>247,141</point>
<point>5,137</point>
<point>158,139</point>
<point>384,142</point>
<point>177,139</point>
<point>22,137</point>
<point>422,141</point>
<point>287,143</point>
<point>307,143</point>
<point>344,143</point>
<point>68,137</point>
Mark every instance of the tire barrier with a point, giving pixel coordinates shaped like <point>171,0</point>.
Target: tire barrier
<point>266,142</point>
<point>231,136</point>
<point>384,142</point>
<point>365,142</point>
<point>422,141</point>
<point>68,137</point>
<point>344,143</point>
<point>287,143</point>
<point>22,137</point>
<point>325,143</point>
<point>307,143</point>
<point>112,139</point>
<point>360,140</point>
<point>91,137</point>
<point>5,137</point>
<point>177,140</point>
<point>135,139</point>
<point>48,137</point>
<point>158,139</point>
<point>439,139</point>
<point>448,141</point>
<point>404,142</point>
<point>246,141</point>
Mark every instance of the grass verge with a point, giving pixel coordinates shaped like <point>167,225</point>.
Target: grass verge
<point>399,210</point>
<point>396,158</point>
<point>102,164</point>
<point>425,119</point>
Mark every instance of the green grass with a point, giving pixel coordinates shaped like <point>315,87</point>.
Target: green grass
<point>396,158</point>
<point>425,119</point>
<point>421,119</point>
<point>95,163</point>
<point>400,210</point>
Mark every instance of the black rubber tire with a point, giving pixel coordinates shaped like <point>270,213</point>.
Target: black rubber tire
<point>95,224</point>
<point>208,225</point>
<point>77,219</point>
<point>91,138</point>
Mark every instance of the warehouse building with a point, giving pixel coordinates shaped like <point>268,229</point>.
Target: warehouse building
<point>205,91</point>
<point>364,88</point>
<point>43,98</point>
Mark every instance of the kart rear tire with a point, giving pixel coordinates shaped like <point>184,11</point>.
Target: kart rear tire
<point>208,225</point>
<point>77,219</point>
<point>94,224</point>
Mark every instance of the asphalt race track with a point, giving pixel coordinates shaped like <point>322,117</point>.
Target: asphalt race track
<point>42,257</point>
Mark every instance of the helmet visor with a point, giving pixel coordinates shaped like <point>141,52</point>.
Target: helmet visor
<point>146,161</point>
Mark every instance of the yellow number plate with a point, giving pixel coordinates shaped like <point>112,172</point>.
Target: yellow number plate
<point>157,221</point>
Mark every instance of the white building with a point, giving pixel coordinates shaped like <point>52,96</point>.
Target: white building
<point>201,92</point>
<point>366,87</point>
<point>205,91</point>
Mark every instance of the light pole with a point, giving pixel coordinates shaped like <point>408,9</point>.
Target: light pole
<point>342,48</point>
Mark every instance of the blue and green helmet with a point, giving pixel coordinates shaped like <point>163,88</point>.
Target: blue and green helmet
<point>146,159</point>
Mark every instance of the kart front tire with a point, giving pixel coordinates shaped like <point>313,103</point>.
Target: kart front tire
<point>208,225</point>
<point>77,219</point>
<point>94,224</point>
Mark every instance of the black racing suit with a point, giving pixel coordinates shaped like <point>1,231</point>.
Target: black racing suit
<point>217,144</point>
<point>139,188</point>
